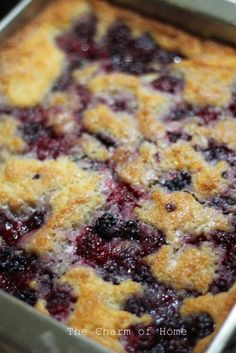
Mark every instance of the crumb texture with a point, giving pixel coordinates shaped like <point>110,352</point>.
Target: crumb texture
<point>118,176</point>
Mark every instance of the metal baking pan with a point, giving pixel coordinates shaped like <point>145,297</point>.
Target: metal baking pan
<point>22,328</point>
<point>214,19</point>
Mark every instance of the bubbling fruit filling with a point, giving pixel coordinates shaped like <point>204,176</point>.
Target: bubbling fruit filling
<point>232,106</point>
<point>226,242</point>
<point>40,138</point>
<point>114,241</point>
<point>119,49</point>
<point>218,152</point>
<point>13,228</point>
<point>168,84</point>
<point>118,246</point>
<point>164,305</point>
<point>23,275</point>
<point>177,181</point>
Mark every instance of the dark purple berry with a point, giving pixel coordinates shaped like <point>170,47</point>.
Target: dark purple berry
<point>79,41</point>
<point>180,112</point>
<point>12,229</point>
<point>232,105</point>
<point>36,177</point>
<point>216,152</point>
<point>146,43</point>
<point>168,84</point>
<point>227,270</point>
<point>130,230</point>
<point>59,301</point>
<point>223,203</point>
<point>106,140</point>
<point>33,131</point>
<point>85,29</point>
<point>170,207</point>
<point>208,114</point>
<point>174,136</point>
<point>106,226</point>
<point>12,262</point>
<point>64,82</point>
<point>135,56</point>
<point>118,38</point>
<point>92,248</point>
<point>27,296</point>
<point>135,305</point>
<point>203,325</point>
<point>178,182</point>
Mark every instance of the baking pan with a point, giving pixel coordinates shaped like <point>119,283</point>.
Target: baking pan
<point>22,328</point>
<point>215,19</point>
<point>6,6</point>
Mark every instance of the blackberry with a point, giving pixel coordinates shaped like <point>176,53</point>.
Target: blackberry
<point>205,325</point>
<point>170,207</point>
<point>179,182</point>
<point>216,152</point>
<point>12,229</point>
<point>26,295</point>
<point>106,226</point>
<point>12,262</point>
<point>180,111</point>
<point>168,84</point>
<point>174,136</point>
<point>59,301</point>
<point>130,230</point>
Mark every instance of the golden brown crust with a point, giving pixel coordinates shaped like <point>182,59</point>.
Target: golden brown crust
<point>168,36</point>
<point>218,306</point>
<point>207,179</point>
<point>101,119</point>
<point>69,191</point>
<point>190,268</point>
<point>205,84</point>
<point>26,73</point>
<point>35,74</point>
<point>139,153</point>
<point>9,136</point>
<point>189,216</point>
<point>99,306</point>
<point>139,168</point>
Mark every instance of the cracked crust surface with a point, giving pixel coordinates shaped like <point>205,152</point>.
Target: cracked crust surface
<point>35,74</point>
<point>134,144</point>
<point>217,305</point>
<point>105,300</point>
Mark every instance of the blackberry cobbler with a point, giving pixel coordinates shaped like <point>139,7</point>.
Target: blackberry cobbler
<point>118,176</point>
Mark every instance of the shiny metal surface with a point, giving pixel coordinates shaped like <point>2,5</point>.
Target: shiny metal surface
<point>214,19</point>
<point>226,337</point>
<point>24,330</point>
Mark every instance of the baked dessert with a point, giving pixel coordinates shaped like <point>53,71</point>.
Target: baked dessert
<point>117,177</point>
